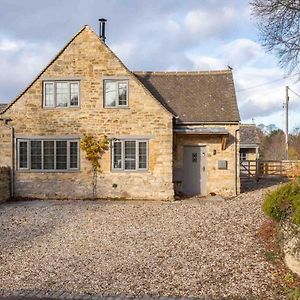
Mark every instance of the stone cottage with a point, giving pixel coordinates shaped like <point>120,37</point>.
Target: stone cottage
<point>169,132</point>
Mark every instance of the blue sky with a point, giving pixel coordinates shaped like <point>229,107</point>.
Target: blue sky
<point>151,35</point>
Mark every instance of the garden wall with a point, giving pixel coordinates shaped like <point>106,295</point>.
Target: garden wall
<point>4,184</point>
<point>291,245</point>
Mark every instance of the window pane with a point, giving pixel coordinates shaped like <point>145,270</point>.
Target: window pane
<point>49,94</point>
<point>23,151</point>
<point>74,87</point>
<point>117,159</point>
<point>123,93</point>
<point>110,93</point>
<point>48,155</point>
<point>61,155</point>
<point>73,155</point>
<point>130,155</point>
<point>243,156</point>
<point>36,155</point>
<point>62,94</point>
<point>142,155</point>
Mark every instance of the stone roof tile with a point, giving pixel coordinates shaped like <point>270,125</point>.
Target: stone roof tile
<point>207,96</point>
<point>250,134</point>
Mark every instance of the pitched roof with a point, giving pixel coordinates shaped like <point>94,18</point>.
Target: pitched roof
<point>41,73</point>
<point>207,96</point>
<point>85,27</point>
<point>191,96</point>
<point>3,106</point>
<point>250,134</point>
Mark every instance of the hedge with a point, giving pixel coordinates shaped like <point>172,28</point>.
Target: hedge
<point>284,202</point>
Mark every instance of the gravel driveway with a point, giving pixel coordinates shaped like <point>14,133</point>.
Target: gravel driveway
<point>195,249</point>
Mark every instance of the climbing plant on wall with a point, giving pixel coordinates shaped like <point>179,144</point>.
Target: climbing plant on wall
<point>94,149</point>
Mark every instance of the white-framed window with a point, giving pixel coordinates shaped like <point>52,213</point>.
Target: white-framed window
<point>243,156</point>
<point>115,93</point>
<point>61,94</point>
<point>48,155</point>
<point>23,154</point>
<point>130,155</point>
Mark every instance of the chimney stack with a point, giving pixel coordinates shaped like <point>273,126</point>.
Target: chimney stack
<point>102,29</point>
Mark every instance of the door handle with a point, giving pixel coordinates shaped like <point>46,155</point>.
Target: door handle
<point>203,168</point>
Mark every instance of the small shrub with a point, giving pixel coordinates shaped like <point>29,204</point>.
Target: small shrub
<point>296,215</point>
<point>284,202</point>
<point>270,256</point>
<point>289,278</point>
<point>295,294</point>
<point>94,149</point>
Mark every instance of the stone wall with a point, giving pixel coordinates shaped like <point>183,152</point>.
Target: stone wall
<point>291,245</point>
<point>217,181</point>
<point>90,61</point>
<point>4,184</point>
<point>5,146</point>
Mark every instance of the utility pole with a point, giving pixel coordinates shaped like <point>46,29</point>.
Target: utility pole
<point>287,122</point>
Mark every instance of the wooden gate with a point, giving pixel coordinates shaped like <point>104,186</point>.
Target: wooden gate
<point>266,168</point>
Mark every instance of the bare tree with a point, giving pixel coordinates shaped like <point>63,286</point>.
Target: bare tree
<point>272,146</point>
<point>279,25</point>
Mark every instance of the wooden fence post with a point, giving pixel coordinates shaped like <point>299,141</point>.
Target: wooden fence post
<point>257,170</point>
<point>249,173</point>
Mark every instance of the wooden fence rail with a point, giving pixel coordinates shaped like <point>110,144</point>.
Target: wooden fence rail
<point>266,168</point>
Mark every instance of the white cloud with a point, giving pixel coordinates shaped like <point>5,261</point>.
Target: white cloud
<point>205,62</point>
<point>241,51</point>
<point>209,22</point>
<point>173,27</point>
<point>257,92</point>
<point>251,76</point>
<point>20,62</point>
<point>9,45</point>
<point>259,83</point>
<point>261,94</point>
<point>124,50</point>
<point>278,118</point>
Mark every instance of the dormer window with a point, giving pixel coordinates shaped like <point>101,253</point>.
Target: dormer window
<point>115,93</point>
<point>61,94</point>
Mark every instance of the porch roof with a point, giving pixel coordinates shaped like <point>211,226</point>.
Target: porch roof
<point>202,130</point>
<point>249,146</point>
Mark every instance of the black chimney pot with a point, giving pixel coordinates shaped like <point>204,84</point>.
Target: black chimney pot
<point>102,29</point>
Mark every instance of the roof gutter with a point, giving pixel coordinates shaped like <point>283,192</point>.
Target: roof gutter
<point>201,130</point>
<point>209,123</point>
<point>245,146</point>
<point>12,173</point>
